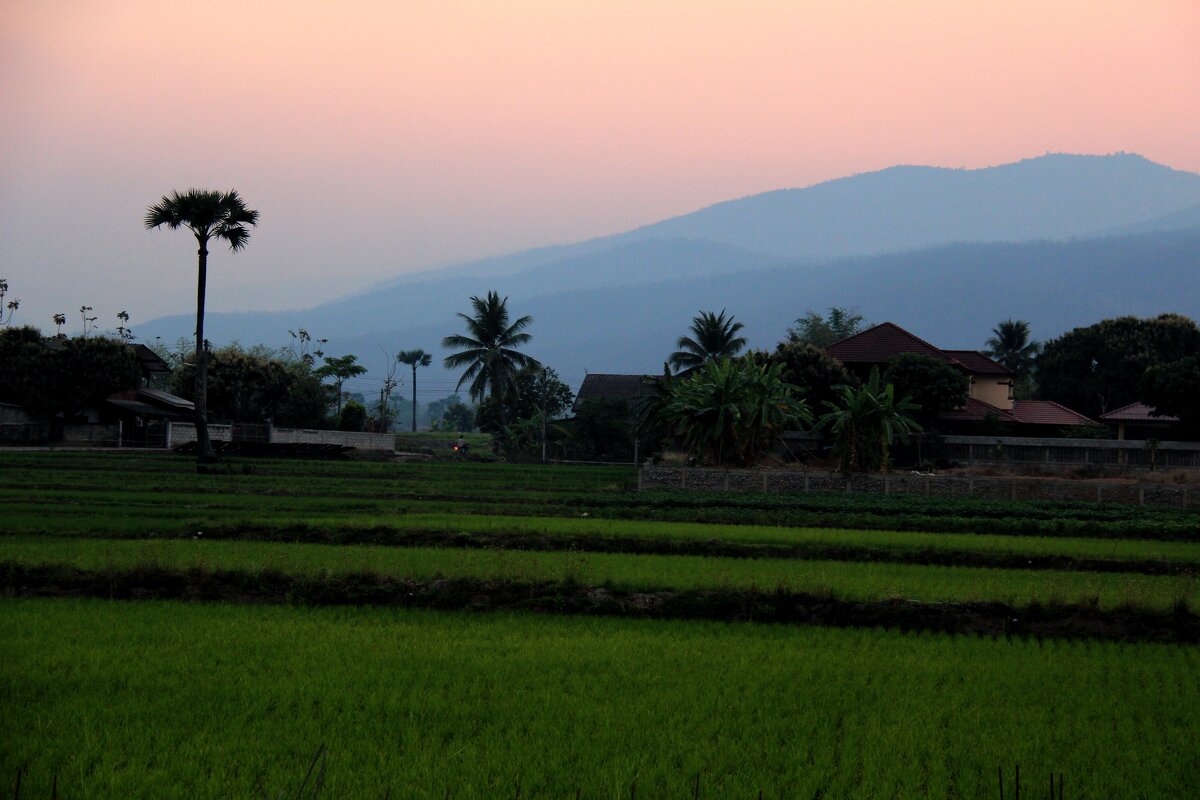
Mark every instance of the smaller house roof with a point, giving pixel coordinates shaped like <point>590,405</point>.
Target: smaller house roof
<point>148,359</point>
<point>977,411</point>
<point>1137,412</point>
<point>1047,412</point>
<point>977,363</point>
<point>600,385</point>
<point>152,403</point>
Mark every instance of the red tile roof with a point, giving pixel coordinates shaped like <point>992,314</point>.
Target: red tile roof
<point>876,345</point>
<point>1137,412</point>
<point>1047,412</point>
<point>879,344</point>
<point>977,363</point>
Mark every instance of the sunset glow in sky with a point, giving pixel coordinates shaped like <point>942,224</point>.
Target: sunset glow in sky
<point>384,137</point>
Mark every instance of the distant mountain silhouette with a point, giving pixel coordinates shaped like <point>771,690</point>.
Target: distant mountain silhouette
<point>1058,240</point>
<point>905,208</point>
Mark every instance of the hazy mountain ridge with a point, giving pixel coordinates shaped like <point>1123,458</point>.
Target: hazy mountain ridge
<point>612,304</point>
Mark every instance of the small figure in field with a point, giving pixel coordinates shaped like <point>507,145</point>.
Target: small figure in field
<point>461,448</point>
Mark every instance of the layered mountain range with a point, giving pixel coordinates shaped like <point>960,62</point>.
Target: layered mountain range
<point>1059,240</point>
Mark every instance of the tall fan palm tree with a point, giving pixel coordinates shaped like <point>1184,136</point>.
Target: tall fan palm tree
<point>414,358</point>
<point>715,338</point>
<point>208,215</point>
<point>1011,346</point>
<point>488,351</point>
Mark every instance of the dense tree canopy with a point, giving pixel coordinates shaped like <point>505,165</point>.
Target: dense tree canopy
<point>250,386</point>
<point>931,383</point>
<point>820,331</point>
<point>809,367</point>
<point>1101,367</point>
<point>56,376</point>
<point>729,411</point>
<point>1174,389</point>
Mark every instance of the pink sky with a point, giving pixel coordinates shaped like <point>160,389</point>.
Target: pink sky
<point>383,137</point>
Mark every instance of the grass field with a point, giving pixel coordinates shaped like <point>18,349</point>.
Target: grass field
<point>165,699</point>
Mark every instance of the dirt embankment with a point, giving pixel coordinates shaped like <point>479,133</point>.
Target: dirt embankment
<point>366,589</point>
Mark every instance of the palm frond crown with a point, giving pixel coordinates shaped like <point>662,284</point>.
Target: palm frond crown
<point>489,348</point>
<point>714,336</point>
<point>207,214</point>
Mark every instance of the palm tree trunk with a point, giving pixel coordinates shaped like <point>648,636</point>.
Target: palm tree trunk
<point>204,448</point>
<point>414,408</point>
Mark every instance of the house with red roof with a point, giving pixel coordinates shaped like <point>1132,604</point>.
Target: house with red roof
<point>990,397</point>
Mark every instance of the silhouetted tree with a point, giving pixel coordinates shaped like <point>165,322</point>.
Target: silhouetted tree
<point>340,369</point>
<point>1011,346</point>
<point>488,351</point>
<point>414,358</point>
<point>10,307</point>
<point>820,331</point>
<point>1100,367</point>
<point>208,215</point>
<point>714,336</point>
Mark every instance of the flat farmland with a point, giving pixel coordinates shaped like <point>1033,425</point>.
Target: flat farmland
<point>688,690</point>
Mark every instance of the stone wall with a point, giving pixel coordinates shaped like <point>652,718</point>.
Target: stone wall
<point>99,435</point>
<point>184,432</point>
<point>989,488</point>
<point>357,440</point>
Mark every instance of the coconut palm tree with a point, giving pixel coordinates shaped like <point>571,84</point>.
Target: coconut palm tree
<point>1011,346</point>
<point>414,358</point>
<point>208,215</point>
<point>488,351</point>
<point>715,338</point>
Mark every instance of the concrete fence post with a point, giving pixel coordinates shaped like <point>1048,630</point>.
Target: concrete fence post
<point>683,478</point>
<point>807,484</point>
<point>725,487</point>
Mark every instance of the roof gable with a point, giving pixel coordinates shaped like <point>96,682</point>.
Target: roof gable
<point>597,386</point>
<point>878,344</point>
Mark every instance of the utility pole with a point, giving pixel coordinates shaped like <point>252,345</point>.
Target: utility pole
<point>543,415</point>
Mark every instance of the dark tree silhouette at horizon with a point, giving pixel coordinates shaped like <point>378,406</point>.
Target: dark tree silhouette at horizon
<point>208,215</point>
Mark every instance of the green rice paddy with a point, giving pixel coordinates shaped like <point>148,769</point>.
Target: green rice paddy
<point>148,699</point>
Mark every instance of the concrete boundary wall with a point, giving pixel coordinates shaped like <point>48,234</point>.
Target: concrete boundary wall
<point>1073,452</point>
<point>987,488</point>
<point>183,432</point>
